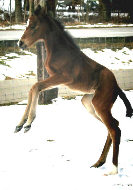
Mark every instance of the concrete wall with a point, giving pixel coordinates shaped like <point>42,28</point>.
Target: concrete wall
<point>124,78</point>
<point>17,90</point>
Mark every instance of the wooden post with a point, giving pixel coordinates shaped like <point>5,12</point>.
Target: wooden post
<point>40,67</point>
<point>48,95</point>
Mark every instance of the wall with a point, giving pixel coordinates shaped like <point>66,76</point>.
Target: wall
<point>17,90</point>
<point>124,78</point>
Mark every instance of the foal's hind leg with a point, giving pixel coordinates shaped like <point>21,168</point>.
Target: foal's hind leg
<point>87,102</point>
<point>103,106</point>
<point>104,154</point>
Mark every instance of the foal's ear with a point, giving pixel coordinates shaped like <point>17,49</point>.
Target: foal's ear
<point>38,10</point>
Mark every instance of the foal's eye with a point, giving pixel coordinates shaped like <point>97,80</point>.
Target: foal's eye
<point>33,26</point>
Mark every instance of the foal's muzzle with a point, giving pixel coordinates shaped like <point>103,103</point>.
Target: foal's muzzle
<point>22,45</point>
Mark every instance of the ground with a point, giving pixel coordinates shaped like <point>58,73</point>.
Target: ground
<point>63,143</point>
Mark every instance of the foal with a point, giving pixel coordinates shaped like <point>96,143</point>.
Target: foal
<point>67,65</point>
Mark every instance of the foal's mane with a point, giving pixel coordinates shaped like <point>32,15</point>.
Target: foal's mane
<point>57,25</point>
<point>67,36</point>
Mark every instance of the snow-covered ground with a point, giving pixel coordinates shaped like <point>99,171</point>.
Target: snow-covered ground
<point>18,66</point>
<point>13,27</point>
<point>112,59</point>
<point>100,25</point>
<point>97,25</point>
<point>63,143</point>
<point>24,66</point>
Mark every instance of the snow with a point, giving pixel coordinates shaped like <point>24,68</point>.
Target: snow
<point>63,143</point>
<point>22,65</point>
<point>100,25</point>
<point>5,5</point>
<point>101,32</point>
<point>13,27</point>
<point>112,59</point>
<point>97,25</point>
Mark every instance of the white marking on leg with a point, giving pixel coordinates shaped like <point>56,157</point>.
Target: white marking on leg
<point>114,171</point>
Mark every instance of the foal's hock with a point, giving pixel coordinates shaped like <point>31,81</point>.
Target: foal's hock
<point>67,65</point>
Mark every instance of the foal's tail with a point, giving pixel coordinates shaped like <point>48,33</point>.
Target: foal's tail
<point>129,108</point>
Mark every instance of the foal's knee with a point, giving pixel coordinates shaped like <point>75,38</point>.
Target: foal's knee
<point>83,100</point>
<point>86,99</point>
<point>34,88</point>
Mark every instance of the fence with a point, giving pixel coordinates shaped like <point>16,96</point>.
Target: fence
<point>12,91</point>
<point>124,78</point>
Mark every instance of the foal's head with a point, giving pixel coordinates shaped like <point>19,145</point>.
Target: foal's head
<point>35,30</point>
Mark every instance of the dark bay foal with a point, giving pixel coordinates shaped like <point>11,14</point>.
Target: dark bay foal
<point>67,65</point>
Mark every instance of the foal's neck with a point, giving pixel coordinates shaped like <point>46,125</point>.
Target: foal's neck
<point>57,41</point>
<point>54,41</point>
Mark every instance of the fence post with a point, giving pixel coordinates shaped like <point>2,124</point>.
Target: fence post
<point>48,95</point>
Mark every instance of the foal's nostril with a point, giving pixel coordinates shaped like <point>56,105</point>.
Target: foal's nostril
<point>20,43</point>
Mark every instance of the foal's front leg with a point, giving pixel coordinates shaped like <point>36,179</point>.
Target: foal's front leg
<point>25,116</point>
<point>30,111</point>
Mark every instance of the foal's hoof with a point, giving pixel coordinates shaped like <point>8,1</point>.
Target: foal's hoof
<point>27,128</point>
<point>18,128</point>
<point>97,164</point>
<point>114,171</point>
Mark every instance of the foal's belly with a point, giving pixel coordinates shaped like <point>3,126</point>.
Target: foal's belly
<point>82,88</point>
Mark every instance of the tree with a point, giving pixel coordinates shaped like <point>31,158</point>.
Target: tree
<point>26,7</point>
<point>124,6</point>
<point>105,10</point>
<point>31,7</point>
<point>51,7</point>
<point>18,11</point>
